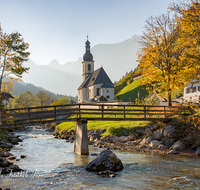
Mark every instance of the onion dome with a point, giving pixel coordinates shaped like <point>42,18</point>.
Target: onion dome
<point>87,56</point>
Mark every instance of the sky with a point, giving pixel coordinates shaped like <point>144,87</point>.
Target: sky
<point>58,29</point>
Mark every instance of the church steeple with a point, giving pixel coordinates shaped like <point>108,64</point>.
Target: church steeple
<point>87,56</point>
<point>88,63</point>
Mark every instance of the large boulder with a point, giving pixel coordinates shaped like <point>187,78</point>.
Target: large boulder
<point>113,138</point>
<point>154,143</point>
<point>124,139</point>
<point>106,160</point>
<point>140,131</point>
<point>169,131</point>
<point>148,132</point>
<point>149,139</point>
<point>179,146</point>
<point>158,134</point>
<point>169,143</point>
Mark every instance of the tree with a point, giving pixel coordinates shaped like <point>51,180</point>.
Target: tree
<point>43,99</point>
<point>7,86</point>
<point>160,57</point>
<point>189,36</point>
<point>13,53</point>
<point>63,101</point>
<point>25,100</point>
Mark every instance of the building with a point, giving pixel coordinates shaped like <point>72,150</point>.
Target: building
<point>192,93</point>
<point>5,96</point>
<point>96,85</point>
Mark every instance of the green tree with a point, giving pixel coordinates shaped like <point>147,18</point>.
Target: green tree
<point>43,98</point>
<point>63,101</point>
<point>25,100</point>
<point>13,53</point>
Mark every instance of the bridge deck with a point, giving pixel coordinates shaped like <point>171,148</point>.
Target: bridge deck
<point>101,112</point>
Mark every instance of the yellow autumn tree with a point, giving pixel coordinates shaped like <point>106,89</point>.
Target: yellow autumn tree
<point>13,53</point>
<point>159,58</point>
<point>189,37</point>
<point>7,86</point>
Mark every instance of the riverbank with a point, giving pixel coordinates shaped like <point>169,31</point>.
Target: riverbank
<point>178,137</point>
<point>52,164</point>
<point>7,141</point>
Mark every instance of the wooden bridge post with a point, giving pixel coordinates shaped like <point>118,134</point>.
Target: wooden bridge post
<point>124,112</point>
<point>55,113</point>
<point>81,141</point>
<point>28,115</point>
<point>102,111</point>
<point>164,112</point>
<point>145,112</point>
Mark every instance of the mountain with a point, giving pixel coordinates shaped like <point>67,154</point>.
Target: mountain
<point>21,87</point>
<point>116,60</point>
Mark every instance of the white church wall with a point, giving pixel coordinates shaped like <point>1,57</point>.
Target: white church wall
<point>97,86</point>
<point>108,93</point>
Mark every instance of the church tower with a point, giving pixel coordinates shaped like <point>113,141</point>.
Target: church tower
<point>88,63</point>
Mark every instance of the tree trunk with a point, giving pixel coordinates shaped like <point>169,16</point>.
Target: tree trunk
<point>169,99</point>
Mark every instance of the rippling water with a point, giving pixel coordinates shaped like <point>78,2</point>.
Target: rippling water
<point>52,164</point>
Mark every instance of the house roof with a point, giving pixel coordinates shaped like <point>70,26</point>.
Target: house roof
<point>6,96</point>
<point>97,77</point>
<point>102,99</point>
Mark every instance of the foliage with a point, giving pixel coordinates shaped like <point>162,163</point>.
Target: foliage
<point>188,130</point>
<point>13,53</point>
<point>25,100</point>
<point>7,86</point>
<point>189,37</point>
<point>160,55</point>
<point>63,101</point>
<point>43,99</point>
<point>3,134</point>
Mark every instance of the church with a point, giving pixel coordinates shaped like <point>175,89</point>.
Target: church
<point>96,85</point>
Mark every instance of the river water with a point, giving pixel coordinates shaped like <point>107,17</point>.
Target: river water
<point>52,164</point>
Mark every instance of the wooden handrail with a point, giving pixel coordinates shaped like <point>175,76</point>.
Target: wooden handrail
<point>96,111</point>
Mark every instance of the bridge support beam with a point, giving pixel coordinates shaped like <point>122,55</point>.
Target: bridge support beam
<point>81,141</point>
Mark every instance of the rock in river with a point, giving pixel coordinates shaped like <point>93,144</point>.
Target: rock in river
<point>106,160</point>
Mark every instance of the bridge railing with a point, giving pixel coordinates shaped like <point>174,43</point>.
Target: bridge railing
<point>94,111</point>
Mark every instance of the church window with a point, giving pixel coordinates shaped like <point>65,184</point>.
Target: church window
<point>98,91</point>
<point>107,96</point>
<point>107,90</point>
<point>89,67</point>
<point>198,88</point>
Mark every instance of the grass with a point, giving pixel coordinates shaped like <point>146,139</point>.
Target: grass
<point>112,127</point>
<point>130,92</point>
<point>3,134</point>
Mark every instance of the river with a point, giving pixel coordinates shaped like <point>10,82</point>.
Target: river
<point>52,164</point>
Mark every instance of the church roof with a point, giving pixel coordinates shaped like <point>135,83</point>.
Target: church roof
<point>97,77</point>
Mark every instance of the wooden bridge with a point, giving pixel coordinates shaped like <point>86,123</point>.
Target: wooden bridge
<point>81,113</point>
<point>73,112</point>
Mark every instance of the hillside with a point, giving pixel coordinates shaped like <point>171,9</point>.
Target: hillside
<point>130,92</point>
